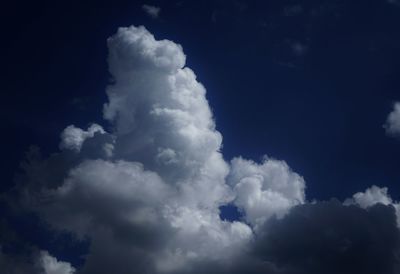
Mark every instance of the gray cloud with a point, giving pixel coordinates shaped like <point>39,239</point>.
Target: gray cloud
<point>328,237</point>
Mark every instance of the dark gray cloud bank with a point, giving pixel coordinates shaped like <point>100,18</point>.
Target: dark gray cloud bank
<point>146,193</point>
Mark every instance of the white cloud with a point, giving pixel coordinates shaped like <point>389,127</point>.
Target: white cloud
<point>372,196</point>
<point>265,190</point>
<point>99,192</point>
<point>156,197</point>
<point>133,210</point>
<point>73,137</point>
<point>392,125</point>
<point>161,116</point>
<point>51,265</point>
<point>152,11</point>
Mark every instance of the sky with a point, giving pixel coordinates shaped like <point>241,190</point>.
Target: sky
<point>200,137</point>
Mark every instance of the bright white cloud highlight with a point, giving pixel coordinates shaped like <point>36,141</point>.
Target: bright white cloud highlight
<point>162,117</point>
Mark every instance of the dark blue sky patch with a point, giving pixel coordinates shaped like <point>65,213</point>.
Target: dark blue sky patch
<point>230,213</point>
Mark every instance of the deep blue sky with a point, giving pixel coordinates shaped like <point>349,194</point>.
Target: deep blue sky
<point>309,82</point>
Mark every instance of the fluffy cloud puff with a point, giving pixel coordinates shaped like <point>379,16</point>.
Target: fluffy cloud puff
<point>264,190</point>
<point>73,137</point>
<point>372,196</point>
<point>147,193</point>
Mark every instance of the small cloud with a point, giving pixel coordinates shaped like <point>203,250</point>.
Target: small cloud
<point>392,125</point>
<point>152,11</point>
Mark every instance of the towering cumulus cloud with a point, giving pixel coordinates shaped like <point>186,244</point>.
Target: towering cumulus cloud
<point>147,192</point>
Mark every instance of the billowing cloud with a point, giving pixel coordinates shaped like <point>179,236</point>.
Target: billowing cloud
<point>265,190</point>
<point>392,125</point>
<point>146,193</point>
<point>155,193</point>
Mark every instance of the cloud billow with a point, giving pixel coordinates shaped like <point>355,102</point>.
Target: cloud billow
<point>147,193</point>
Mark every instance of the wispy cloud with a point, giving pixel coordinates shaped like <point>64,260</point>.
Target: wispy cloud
<point>152,11</point>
